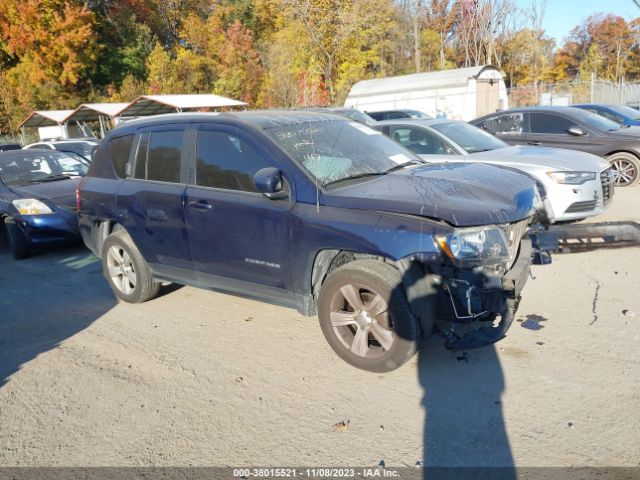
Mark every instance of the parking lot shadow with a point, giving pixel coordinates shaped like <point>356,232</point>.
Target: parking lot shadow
<point>464,431</point>
<point>46,299</point>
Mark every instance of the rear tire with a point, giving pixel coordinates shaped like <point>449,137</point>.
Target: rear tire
<point>18,243</point>
<point>126,271</point>
<point>365,316</point>
<point>626,168</point>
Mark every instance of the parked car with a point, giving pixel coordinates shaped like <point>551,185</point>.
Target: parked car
<point>9,146</point>
<point>314,212</point>
<point>352,113</point>
<point>38,198</point>
<point>568,127</point>
<point>621,114</point>
<point>82,147</point>
<point>400,113</point>
<point>578,185</point>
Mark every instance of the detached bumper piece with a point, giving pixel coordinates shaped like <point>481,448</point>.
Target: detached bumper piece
<point>502,300</point>
<point>584,237</point>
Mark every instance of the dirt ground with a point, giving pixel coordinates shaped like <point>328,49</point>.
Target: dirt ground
<point>201,378</point>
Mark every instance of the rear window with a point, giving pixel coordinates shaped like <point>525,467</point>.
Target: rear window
<point>120,148</point>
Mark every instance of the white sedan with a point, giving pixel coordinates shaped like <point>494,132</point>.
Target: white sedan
<point>577,184</point>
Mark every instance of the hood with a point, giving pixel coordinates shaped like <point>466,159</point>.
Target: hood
<point>462,194</point>
<point>560,159</point>
<point>58,192</point>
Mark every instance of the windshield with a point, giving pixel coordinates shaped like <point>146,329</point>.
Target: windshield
<point>81,148</point>
<point>595,121</point>
<point>416,114</point>
<point>336,150</point>
<point>471,138</point>
<point>40,167</point>
<point>630,113</point>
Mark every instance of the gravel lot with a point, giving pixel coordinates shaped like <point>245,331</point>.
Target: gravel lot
<point>202,378</point>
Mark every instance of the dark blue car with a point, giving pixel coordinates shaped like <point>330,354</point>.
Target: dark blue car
<point>621,114</point>
<point>38,198</point>
<point>318,213</point>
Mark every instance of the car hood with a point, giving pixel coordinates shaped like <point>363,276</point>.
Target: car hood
<point>462,194</point>
<point>560,159</point>
<point>58,192</point>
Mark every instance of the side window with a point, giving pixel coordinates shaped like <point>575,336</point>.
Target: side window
<point>159,156</point>
<point>226,161</point>
<point>395,115</point>
<point>120,148</point>
<point>508,124</point>
<point>611,116</point>
<point>549,123</point>
<point>420,141</point>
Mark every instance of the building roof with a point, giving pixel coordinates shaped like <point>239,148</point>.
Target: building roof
<point>418,81</point>
<point>91,111</point>
<point>45,118</point>
<point>156,104</point>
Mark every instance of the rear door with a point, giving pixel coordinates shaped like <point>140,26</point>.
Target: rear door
<point>237,235</point>
<point>509,127</point>
<point>151,201</point>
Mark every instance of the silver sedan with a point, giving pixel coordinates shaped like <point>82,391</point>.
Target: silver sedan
<point>577,184</point>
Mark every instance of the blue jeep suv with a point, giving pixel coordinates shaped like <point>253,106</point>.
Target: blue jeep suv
<point>315,212</point>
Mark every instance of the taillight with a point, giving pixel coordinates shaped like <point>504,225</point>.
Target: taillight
<point>78,197</point>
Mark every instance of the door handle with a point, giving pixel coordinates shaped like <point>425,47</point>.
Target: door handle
<point>201,205</point>
<point>533,142</point>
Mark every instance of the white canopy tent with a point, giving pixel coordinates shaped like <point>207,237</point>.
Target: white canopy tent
<point>46,118</point>
<point>156,104</point>
<point>103,113</point>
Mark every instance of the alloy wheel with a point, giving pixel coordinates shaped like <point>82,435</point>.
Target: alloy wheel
<point>624,172</point>
<point>121,269</point>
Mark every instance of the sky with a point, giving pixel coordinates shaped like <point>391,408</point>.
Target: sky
<point>562,15</point>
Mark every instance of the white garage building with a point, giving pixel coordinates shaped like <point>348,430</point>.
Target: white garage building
<point>461,94</point>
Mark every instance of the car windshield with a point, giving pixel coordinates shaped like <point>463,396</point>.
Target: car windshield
<point>471,138</point>
<point>31,167</point>
<point>334,150</point>
<point>630,113</point>
<point>84,149</point>
<point>595,121</point>
<point>416,114</point>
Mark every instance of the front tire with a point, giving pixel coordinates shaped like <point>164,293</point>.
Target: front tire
<point>365,316</point>
<point>626,169</point>
<point>126,271</point>
<point>18,243</point>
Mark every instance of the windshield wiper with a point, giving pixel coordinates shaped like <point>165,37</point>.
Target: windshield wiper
<point>353,177</point>
<point>50,178</point>
<point>400,166</point>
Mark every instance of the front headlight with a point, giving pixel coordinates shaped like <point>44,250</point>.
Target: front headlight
<point>572,178</point>
<point>31,206</point>
<point>470,247</point>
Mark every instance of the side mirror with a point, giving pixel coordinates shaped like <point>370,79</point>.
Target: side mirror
<point>268,181</point>
<point>576,131</point>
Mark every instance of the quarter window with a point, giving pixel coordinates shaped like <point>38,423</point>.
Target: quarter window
<point>226,161</point>
<point>548,123</point>
<point>120,148</point>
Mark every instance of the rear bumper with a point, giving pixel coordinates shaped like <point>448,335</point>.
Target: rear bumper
<point>51,229</point>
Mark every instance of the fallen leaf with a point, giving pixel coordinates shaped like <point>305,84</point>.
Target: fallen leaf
<point>341,426</point>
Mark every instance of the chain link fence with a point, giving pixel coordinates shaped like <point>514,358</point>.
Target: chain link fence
<point>568,93</point>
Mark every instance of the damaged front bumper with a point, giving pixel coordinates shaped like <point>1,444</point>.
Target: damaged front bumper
<point>485,299</point>
<point>445,298</point>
